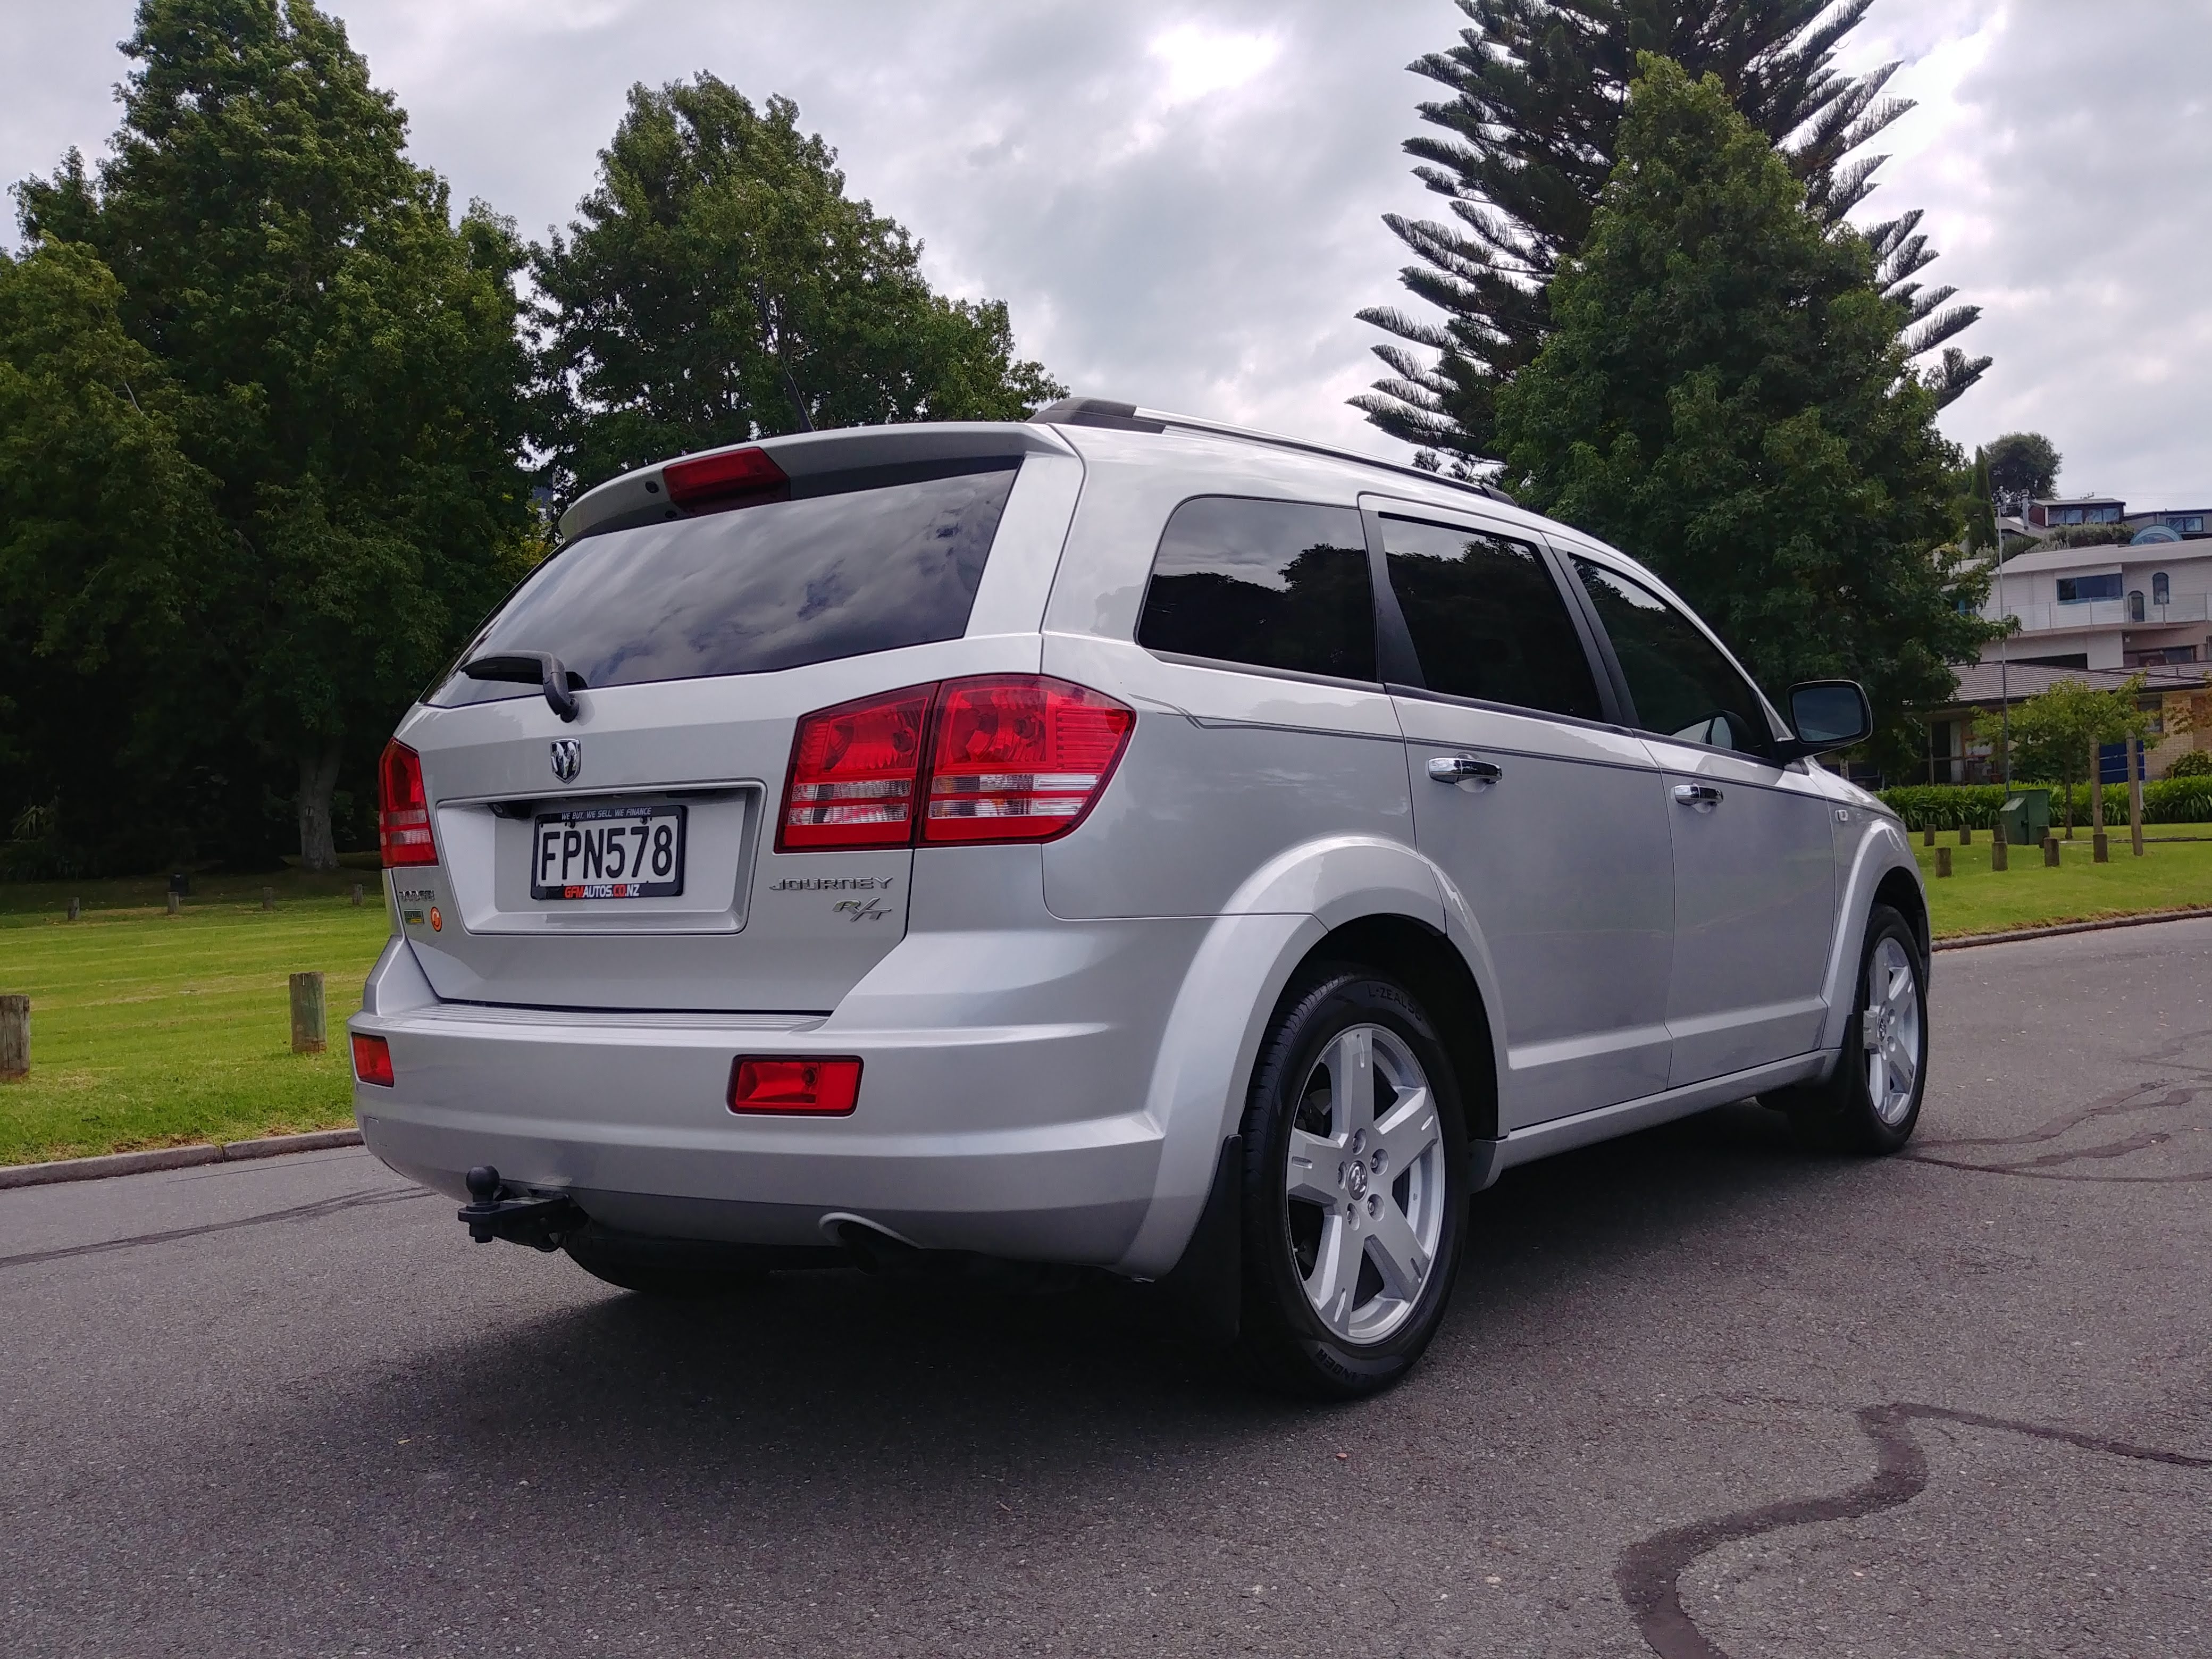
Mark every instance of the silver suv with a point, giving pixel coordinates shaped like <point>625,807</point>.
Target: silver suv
<point>1111,840</point>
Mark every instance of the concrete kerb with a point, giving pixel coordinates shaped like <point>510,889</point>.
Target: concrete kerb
<point>172,1158</point>
<point>181,1157</point>
<point>1969,941</point>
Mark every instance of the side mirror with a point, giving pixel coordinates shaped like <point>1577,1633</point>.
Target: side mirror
<point>1827,715</point>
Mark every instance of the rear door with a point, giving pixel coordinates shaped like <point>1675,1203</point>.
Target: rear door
<point>1549,820</point>
<point>1754,854</point>
<point>698,643</point>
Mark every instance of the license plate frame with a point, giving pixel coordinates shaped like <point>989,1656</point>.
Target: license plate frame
<point>589,825</point>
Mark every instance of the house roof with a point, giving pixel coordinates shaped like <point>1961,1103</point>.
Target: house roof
<point>1984,684</point>
<point>2104,556</point>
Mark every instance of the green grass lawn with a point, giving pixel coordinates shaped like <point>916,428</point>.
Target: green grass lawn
<point>150,1031</point>
<point>1976,899</point>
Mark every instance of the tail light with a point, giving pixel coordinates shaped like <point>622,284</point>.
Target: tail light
<point>999,757</point>
<point>854,773</point>
<point>372,1059</point>
<point>828,1086</point>
<point>1019,758</point>
<point>735,478</point>
<point>402,814</point>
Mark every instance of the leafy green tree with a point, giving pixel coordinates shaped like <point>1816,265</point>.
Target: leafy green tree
<point>2056,733</point>
<point>2024,464</point>
<point>348,369</point>
<point>103,526</point>
<point>719,285</point>
<point>1726,395</point>
<point>1522,145</point>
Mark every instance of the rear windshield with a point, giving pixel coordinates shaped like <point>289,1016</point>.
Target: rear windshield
<point>857,562</point>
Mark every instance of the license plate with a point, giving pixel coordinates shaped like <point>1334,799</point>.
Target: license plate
<point>608,853</point>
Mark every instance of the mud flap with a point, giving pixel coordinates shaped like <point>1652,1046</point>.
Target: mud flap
<point>1207,1286</point>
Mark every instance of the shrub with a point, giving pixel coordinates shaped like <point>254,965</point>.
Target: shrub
<point>2185,799</point>
<point>2196,763</point>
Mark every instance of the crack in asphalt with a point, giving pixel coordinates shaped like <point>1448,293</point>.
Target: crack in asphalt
<point>1649,1571</point>
<point>297,1213</point>
<point>2045,1166</point>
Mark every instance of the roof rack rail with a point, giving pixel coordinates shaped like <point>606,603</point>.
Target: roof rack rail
<point>1128,417</point>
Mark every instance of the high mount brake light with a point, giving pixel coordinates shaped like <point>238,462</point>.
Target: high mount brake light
<point>725,479</point>
<point>853,774</point>
<point>402,815</point>
<point>1019,756</point>
<point>1009,758</point>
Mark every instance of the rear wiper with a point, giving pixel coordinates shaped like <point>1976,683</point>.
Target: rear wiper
<point>539,668</point>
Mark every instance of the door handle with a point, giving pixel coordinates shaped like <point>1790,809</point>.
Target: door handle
<point>1463,768</point>
<point>1696,795</point>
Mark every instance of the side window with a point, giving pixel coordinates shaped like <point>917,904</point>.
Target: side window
<point>1487,620</point>
<point>1682,686</point>
<point>1271,584</point>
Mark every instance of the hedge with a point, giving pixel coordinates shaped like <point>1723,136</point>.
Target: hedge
<point>1961,806</point>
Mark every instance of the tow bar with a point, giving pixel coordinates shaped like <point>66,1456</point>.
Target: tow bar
<point>544,1224</point>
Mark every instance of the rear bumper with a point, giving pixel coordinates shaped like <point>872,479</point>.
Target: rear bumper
<point>1026,1139</point>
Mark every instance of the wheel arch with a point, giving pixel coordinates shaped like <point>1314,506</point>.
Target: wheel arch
<point>1433,969</point>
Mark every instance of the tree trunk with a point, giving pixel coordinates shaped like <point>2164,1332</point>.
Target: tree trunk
<point>2096,788</point>
<point>318,777</point>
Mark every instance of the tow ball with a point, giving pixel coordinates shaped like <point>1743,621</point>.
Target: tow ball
<point>522,1219</point>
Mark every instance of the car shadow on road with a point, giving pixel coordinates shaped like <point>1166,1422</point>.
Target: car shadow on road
<point>828,1363</point>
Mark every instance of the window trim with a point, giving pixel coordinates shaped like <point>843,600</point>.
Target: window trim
<point>1236,665</point>
<point>1778,729</point>
<point>1401,664</point>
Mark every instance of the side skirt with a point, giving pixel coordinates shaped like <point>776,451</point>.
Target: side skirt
<point>1584,1128</point>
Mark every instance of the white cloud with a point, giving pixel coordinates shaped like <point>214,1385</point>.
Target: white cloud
<point>1202,60</point>
<point>1181,201</point>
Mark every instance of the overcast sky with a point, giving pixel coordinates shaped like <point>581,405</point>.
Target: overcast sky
<point>1181,202</point>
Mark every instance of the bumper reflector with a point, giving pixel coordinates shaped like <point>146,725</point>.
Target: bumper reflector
<point>372,1059</point>
<point>793,1085</point>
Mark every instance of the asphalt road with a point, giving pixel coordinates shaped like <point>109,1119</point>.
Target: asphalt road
<point>1699,1393</point>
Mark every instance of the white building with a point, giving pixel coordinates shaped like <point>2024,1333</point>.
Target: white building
<point>2131,606</point>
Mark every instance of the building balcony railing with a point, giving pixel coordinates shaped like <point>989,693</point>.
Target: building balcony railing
<point>2103,613</point>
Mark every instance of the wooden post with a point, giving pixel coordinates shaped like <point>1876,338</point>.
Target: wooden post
<point>1997,851</point>
<point>2096,791</point>
<point>174,906</point>
<point>14,1035</point>
<point>357,895</point>
<point>73,910</point>
<point>2135,791</point>
<point>2050,852</point>
<point>2102,845</point>
<point>1966,835</point>
<point>307,1028</point>
<point>269,899</point>
<point>1942,862</point>
<point>1927,837</point>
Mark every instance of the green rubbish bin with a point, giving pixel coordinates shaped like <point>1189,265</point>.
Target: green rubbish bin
<point>2025,818</point>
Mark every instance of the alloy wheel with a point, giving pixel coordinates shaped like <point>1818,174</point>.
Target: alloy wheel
<point>1890,1028</point>
<point>1364,1183</point>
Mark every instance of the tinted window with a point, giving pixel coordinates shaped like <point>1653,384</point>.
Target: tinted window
<point>1682,685</point>
<point>1275,584</point>
<point>837,573</point>
<point>1487,620</point>
<point>2073,590</point>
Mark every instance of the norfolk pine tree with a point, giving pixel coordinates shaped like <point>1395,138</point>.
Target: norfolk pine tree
<point>1726,395</point>
<point>348,366</point>
<point>1522,145</point>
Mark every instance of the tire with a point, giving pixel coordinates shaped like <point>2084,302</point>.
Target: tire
<point>673,1268</point>
<point>1350,1253</point>
<point>1869,1106</point>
